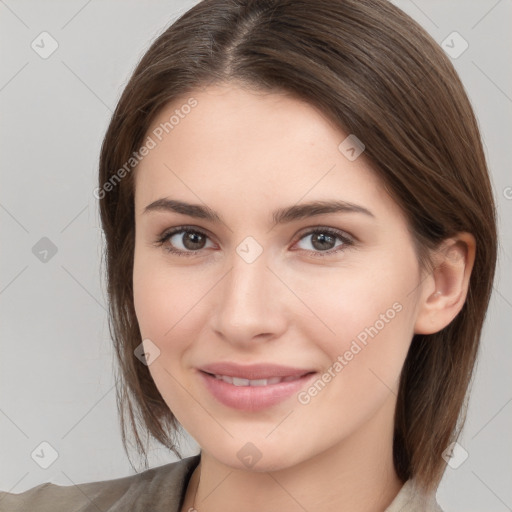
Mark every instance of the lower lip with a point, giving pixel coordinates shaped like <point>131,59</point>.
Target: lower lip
<point>252,398</point>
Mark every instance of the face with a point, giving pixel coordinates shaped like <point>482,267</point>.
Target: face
<point>320,300</point>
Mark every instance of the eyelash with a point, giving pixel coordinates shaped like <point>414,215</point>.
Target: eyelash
<point>347,241</point>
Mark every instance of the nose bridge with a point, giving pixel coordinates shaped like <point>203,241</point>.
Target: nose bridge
<point>248,304</point>
<point>247,287</point>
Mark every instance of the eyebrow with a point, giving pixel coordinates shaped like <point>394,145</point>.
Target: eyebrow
<point>279,216</point>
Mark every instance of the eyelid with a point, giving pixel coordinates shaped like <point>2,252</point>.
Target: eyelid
<point>185,227</point>
<point>303,232</point>
<point>348,240</point>
<point>167,233</point>
<point>327,229</point>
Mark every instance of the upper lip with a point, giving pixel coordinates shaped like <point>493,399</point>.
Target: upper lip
<point>253,371</point>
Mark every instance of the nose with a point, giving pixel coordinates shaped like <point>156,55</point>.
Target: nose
<point>250,303</point>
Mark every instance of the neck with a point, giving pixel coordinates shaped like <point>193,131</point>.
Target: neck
<point>357,474</point>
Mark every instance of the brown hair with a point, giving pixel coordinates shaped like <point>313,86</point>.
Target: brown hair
<point>377,74</point>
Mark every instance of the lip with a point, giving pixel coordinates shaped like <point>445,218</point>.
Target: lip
<point>254,371</point>
<point>253,398</point>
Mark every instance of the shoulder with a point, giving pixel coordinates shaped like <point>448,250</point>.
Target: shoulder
<point>412,499</point>
<point>157,489</point>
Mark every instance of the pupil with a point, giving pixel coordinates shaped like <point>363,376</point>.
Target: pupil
<point>191,239</point>
<point>322,239</point>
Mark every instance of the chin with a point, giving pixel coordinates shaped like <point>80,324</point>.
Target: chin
<point>259,457</point>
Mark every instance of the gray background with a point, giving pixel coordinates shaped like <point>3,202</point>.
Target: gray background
<point>56,378</point>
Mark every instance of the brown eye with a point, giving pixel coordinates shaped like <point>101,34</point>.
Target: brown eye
<point>322,241</point>
<point>183,241</point>
<point>325,241</point>
<point>192,240</point>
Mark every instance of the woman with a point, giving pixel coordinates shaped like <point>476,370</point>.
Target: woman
<point>300,250</point>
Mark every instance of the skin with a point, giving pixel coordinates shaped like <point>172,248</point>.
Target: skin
<point>245,153</point>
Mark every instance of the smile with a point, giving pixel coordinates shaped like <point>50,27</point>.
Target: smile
<point>253,394</point>
<point>236,381</point>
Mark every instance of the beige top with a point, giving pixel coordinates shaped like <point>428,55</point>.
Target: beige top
<point>160,489</point>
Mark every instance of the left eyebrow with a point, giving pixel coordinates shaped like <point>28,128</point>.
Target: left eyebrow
<point>279,216</point>
<point>301,211</point>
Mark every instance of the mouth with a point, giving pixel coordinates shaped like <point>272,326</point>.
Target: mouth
<point>238,381</point>
<point>253,388</point>
<point>253,372</point>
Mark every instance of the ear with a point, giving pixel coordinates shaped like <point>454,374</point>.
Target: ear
<point>445,288</point>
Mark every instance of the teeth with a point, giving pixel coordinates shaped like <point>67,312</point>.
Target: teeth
<point>236,381</point>
<point>240,382</point>
<point>259,382</point>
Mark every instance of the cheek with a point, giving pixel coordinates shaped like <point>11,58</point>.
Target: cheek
<point>164,300</point>
<point>162,296</point>
<point>362,360</point>
<point>363,317</point>
<point>149,299</point>
<point>172,307</point>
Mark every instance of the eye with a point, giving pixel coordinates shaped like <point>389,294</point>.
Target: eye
<point>183,241</point>
<point>323,241</point>
<point>189,241</point>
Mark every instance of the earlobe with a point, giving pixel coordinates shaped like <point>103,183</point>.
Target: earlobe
<point>445,289</point>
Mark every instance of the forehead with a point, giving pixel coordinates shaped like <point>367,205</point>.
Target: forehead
<point>251,148</point>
